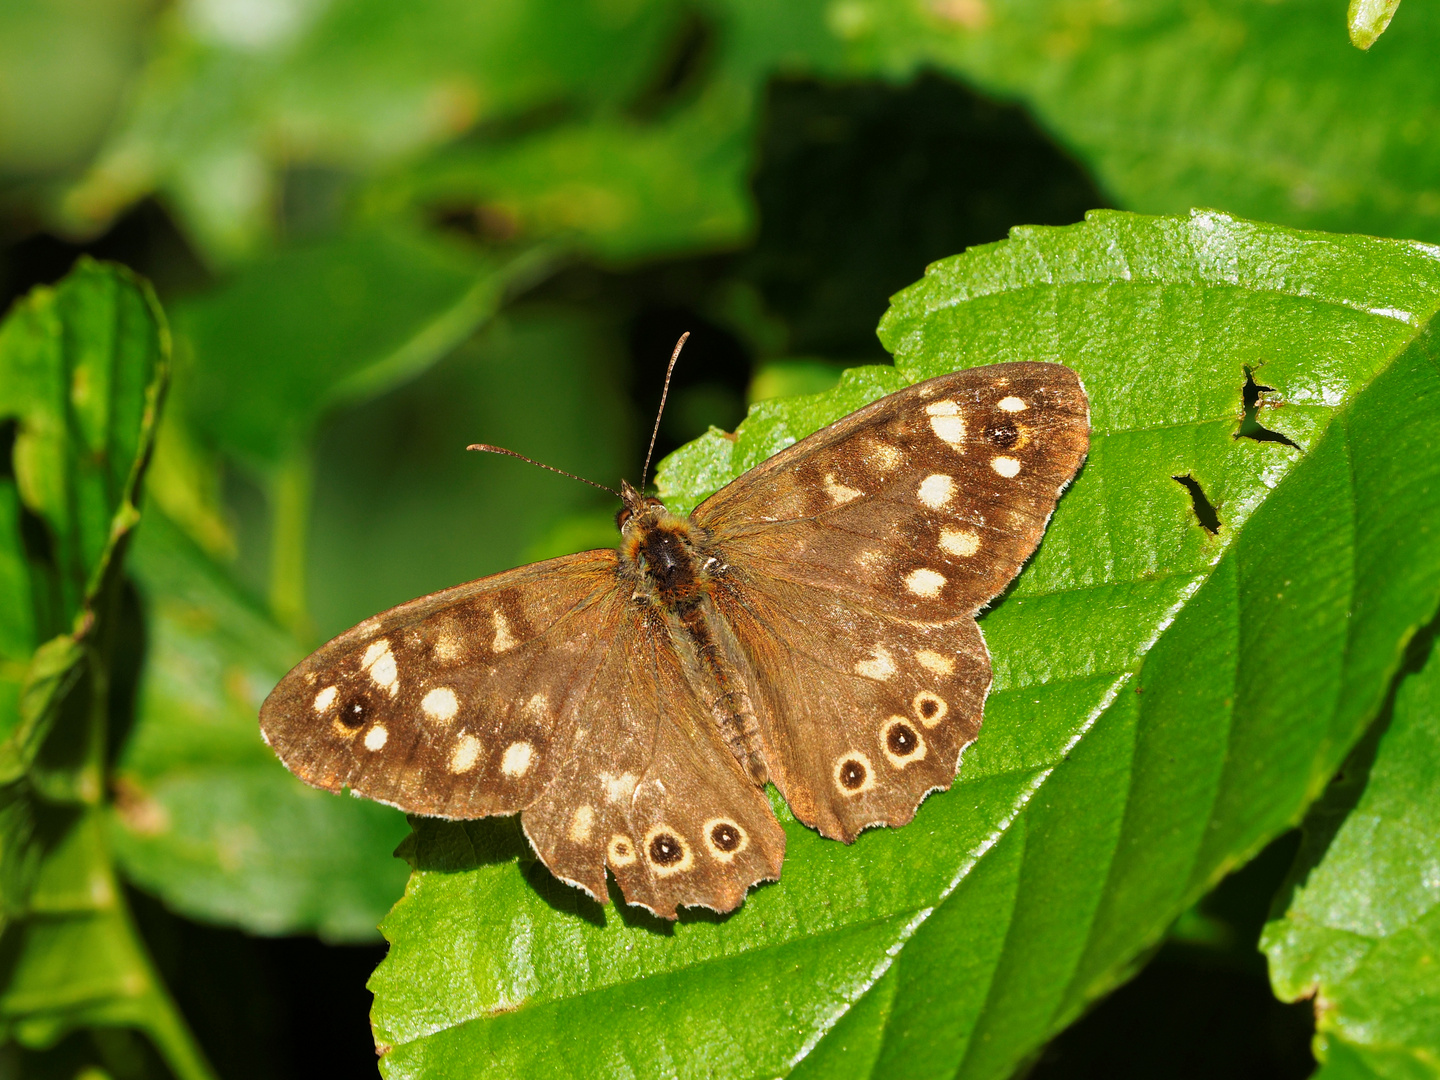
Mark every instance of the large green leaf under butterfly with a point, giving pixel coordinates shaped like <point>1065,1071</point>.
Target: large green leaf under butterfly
<point>1166,698</point>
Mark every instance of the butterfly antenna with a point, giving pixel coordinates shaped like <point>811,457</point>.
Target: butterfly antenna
<point>511,453</point>
<point>674,356</point>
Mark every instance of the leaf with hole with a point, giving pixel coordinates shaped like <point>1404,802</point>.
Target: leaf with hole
<point>1155,719</point>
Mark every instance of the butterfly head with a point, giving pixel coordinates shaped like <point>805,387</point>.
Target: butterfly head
<point>639,509</point>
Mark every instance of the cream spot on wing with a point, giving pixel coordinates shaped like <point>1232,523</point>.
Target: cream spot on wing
<point>935,663</point>
<point>325,698</point>
<point>881,666</point>
<point>936,490</point>
<point>618,788</point>
<point>960,542</point>
<point>503,638</point>
<point>376,738</point>
<point>465,754</point>
<point>581,824</point>
<point>870,558</point>
<point>930,708</point>
<point>1012,404</point>
<point>447,648</point>
<point>839,493</point>
<point>943,408</point>
<point>538,704</point>
<point>950,429</point>
<point>884,456</point>
<point>516,762</point>
<point>1007,467</point>
<point>379,661</point>
<point>621,851</point>
<point>440,704</point>
<point>666,851</point>
<point>924,582</point>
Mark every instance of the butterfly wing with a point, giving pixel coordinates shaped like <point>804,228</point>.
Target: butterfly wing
<point>541,690</point>
<point>857,559</point>
<point>924,504</point>
<point>459,704</point>
<point>651,791</point>
<point>862,713</point>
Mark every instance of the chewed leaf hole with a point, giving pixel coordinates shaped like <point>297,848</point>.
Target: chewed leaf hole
<point>1204,511</point>
<point>1250,426</point>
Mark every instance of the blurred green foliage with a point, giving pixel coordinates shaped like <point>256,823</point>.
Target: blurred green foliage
<point>384,232</point>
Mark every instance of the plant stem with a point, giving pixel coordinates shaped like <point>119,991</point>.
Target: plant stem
<point>291,486</point>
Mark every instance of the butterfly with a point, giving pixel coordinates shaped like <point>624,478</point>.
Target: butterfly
<point>811,625</point>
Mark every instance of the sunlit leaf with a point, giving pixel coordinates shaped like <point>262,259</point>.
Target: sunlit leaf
<point>1156,716</point>
<point>1361,934</point>
<point>82,370</point>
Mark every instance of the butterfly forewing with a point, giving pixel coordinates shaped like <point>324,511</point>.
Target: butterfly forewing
<point>459,704</point>
<point>925,503</point>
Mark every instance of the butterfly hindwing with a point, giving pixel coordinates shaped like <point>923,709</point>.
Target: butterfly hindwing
<point>648,790</point>
<point>925,503</point>
<point>863,713</point>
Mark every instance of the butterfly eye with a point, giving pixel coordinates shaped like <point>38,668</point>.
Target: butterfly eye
<point>621,517</point>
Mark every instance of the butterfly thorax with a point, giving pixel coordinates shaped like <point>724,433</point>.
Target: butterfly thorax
<point>671,565</point>
<point>665,557</point>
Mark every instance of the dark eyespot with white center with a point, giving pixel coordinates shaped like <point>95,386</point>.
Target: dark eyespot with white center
<point>902,740</point>
<point>853,774</point>
<point>725,838</point>
<point>666,851</point>
<point>902,744</point>
<point>354,712</point>
<point>1002,436</point>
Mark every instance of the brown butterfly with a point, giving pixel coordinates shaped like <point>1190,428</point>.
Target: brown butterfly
<point>811,624</point>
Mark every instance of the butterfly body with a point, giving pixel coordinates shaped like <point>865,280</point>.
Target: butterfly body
<point>811,624</point>
<point>674,567</point>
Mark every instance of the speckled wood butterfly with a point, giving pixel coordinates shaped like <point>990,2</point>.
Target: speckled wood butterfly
<point>812,624</point>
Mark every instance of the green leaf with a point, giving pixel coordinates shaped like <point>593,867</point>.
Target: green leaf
<point>313,327</point>
<point>207,817</point>
<point>82,370</point>
<point>1368,19</point>
<point>619,188</point>
<point>1262,110</point>
<point>1165,700</point>
<point>230,101</point>
<point>1362,930</point>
